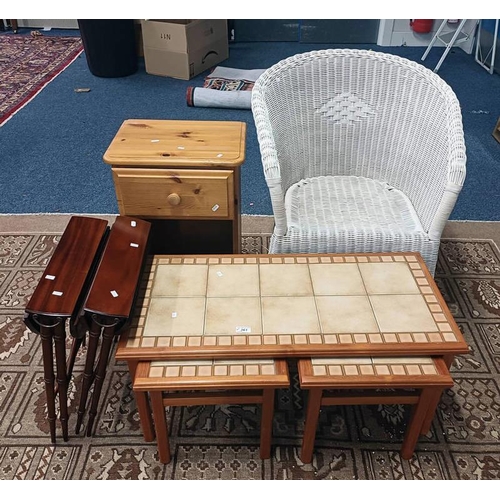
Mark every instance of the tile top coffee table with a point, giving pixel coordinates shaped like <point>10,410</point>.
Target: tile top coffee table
<point>247,306</point>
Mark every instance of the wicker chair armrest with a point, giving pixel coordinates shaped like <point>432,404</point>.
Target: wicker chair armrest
<point>270,161</point>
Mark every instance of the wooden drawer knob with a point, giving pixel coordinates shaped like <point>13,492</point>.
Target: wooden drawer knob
<point>174,199</point>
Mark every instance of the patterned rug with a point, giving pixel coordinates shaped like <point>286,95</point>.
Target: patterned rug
<point>28,64</point>
<point>221,442</point>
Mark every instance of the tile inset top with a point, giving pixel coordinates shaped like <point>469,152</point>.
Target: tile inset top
<point>272,305</point>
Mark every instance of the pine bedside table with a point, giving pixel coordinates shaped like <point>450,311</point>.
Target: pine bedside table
<point>183,177</point>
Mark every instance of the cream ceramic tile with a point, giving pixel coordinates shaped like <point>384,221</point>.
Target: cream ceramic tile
<point>285,281</point>
<point>233,280</point>
<point>338,279</point>
<point>318,371</point>
<point>170,316</point>
<point>351,370</point>
<point>233,316</point>
<point>388,278</point>
<point>180,281</point>
<point>163,342</point>
<point>346,314</point>
<point>220,371</point>
<point>341,361</point>
<point>156,371</point>
<point>366,370</point>
<point>429,369</point>
<point>290,315</point>
<point>398,369</point>
<point>382,370</point>
<point>334,370</point>
<point>402,360</point>
<point>402,313</point>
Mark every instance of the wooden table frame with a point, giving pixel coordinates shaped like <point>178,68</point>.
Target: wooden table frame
<point>327,390</point>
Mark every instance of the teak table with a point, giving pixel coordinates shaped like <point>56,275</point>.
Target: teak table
<point>183,177</point>
<point>256,306</point>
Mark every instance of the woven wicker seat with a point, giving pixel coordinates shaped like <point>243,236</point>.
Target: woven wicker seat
<point>362,152</point>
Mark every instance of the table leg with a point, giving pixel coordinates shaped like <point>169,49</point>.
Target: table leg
<point>100,373</point>
<point>431,411</point>
<point>143,407</point>
<point>62,376</point>
<point>48,374</point>
<point>266,423</point>
<point>312,415</point>
<point>160,426</point>
<point>417,419</point>
<point>448,359</point>
<point>75,347</point>
<point>88,374</point>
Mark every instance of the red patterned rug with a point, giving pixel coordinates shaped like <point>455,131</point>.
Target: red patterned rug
<point>28,64</point>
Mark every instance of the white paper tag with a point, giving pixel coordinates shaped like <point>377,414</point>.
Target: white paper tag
<point>219,273</point>
<point>155,140</point>
<point>135,245</point>
<point>215,208</point>
<point>181,147</point>
<point>174,315</point>
<point>58,294</point>
<point>220,155</point>
<point>243,329</point>
<point>113,293</point>
<point>133,223</point>
<point>49,277</point>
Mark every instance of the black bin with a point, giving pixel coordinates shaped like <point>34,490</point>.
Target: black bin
<point>110,46</point>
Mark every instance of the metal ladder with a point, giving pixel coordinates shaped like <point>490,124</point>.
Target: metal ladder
<point>450,43</point>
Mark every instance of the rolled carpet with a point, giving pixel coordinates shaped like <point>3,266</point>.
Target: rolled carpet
<point>225,88</point>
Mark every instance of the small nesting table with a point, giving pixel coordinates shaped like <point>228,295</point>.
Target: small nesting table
<point>417,381</point>
<point>183,177</point>
<point>207,382</point>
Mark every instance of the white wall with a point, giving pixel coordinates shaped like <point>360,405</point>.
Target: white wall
<point>48,23</point>
<point>397,32</point>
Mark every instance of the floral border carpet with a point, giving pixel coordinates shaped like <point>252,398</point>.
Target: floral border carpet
<point>28,64</point>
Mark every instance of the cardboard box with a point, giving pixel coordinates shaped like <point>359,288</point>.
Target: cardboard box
<point>183,48</point>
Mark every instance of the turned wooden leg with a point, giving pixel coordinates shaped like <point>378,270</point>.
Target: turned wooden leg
<point>160,426</point>
<point>266,423</point>
<point>312,415</point>
<point>62,377</point>
<point>88,374</point>
<point>427,396</point>
<point>143,407</point>
<point>48,375</point>
<point>75,347</point>
<point>100,373</point>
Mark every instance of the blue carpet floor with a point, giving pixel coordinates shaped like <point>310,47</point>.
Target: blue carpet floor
<point>51,151</point>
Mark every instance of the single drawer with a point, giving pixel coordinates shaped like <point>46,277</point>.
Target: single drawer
<point>174,193</point>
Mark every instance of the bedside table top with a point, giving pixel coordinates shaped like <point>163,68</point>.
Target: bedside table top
<point>169,143</point>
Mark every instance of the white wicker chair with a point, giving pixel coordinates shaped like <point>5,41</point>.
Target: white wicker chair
<point>362,152</point>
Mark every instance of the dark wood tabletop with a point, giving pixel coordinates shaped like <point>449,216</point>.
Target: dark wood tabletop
<point>59,288</point>
<point>113,290</point>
